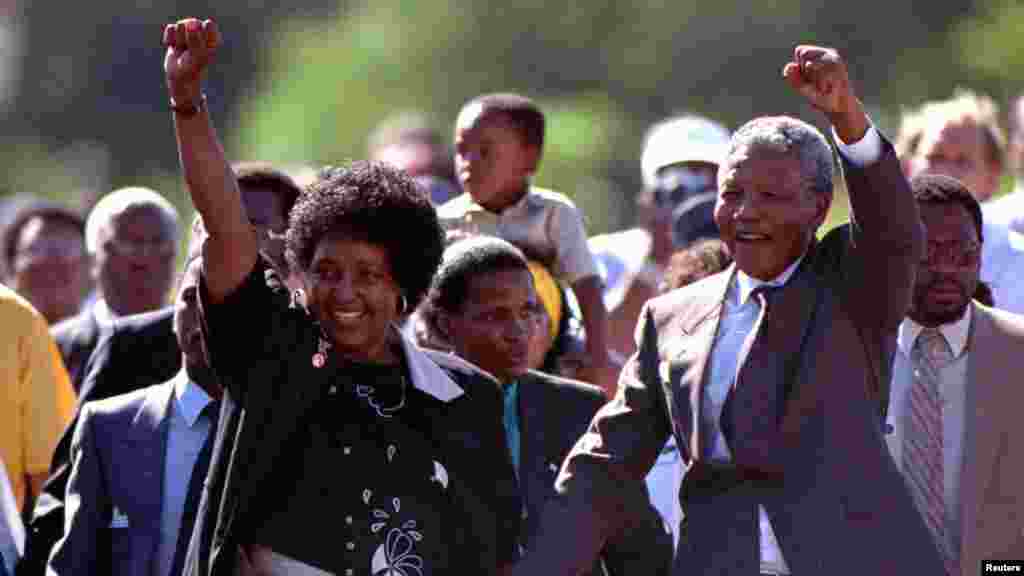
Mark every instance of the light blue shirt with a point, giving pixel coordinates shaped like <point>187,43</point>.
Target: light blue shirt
<point>186,434</point>
<point>739,315</point>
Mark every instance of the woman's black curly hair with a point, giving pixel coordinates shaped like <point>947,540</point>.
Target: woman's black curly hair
<point>375,203</point>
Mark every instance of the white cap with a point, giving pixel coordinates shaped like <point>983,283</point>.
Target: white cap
<point>682,139</point>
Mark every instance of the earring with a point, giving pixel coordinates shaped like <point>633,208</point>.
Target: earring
<point>404,304</point>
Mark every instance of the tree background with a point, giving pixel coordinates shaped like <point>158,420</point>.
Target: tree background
<point>83,107</point>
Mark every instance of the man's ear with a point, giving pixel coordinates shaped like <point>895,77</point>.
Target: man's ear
<point>532,158</point>
<point>443,323</point>
<point>94,268</point>
<point>994,178</point>
<point>822,204</point>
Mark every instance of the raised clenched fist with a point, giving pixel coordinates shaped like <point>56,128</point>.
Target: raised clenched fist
<point>191,45</point>
<point>820,75</point>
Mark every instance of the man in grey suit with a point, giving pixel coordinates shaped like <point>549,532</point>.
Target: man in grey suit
<point>483,304</point>
<point>131,498</point>
<point>770,375</point>
<point>131,237</point>
<point>954,411</point>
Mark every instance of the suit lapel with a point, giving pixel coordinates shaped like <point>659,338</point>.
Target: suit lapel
<point>782,337</point>
<point>787,337</point>
<point>687,369</point>
<point>149,445</point>
<point>981,438</point>
<point>83,342</point>
<point>531,439</point>
<point>101,358</point>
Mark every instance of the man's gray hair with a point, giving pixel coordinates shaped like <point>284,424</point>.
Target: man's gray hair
<point>119,201</point>
<point>790,136</point>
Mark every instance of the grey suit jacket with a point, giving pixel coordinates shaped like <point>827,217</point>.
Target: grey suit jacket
<point>114,494</point>
<point>992,475</point>
<point>836,500</point>
<point>553,413</point>
<point>135,352</point>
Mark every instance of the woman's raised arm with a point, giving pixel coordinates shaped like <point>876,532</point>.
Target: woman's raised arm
<point>231,250</point>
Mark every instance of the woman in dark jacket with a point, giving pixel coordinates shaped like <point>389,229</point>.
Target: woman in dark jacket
<point>355,452</point>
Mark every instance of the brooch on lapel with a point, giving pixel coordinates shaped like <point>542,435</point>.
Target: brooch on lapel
<point>320,358</point>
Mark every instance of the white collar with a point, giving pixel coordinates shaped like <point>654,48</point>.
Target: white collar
<point>745,284</point>
<point>426,375</point>
<point>516,207</point>
<point>955,333</point>
<point>104,315</point>
<point>191,399</point>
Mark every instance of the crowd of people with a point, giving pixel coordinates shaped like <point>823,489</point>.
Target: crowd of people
<point>422,363</point>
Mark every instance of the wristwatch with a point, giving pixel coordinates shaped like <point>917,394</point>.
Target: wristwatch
<point>189,110</point>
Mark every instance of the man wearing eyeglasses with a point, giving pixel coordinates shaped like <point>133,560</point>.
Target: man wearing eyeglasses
<point>954,406</point>
<point>44,259</point>
<point>132,237</point>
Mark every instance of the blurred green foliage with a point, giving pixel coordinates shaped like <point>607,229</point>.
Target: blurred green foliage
<point>305,82</point>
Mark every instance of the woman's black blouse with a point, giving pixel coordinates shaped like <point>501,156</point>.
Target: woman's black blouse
<point>350,467</point>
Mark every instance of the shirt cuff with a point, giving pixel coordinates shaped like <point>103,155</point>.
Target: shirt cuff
<point>865,151</point>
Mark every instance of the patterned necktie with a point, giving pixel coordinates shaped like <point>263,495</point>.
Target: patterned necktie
<point>922,443</point>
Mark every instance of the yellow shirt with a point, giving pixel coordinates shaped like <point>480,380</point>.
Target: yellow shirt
<point>37,395</point>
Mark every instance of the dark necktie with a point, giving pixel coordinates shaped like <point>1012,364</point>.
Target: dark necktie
<point>750,413</point>
<point>751,408</point>
<point>195,489</point>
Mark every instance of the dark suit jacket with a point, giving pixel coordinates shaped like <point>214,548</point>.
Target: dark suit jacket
<point>135,352</point>
<point>117,465</point>
<point>836,500</point>
<point>553,413</point>
<point>264,401</point>
<point>76,339</point>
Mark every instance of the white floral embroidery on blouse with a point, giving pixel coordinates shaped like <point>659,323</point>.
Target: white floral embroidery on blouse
<point>396,555</point>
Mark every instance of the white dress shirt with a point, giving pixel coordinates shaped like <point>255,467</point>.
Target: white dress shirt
<point>104,315</point>
<point>663,484</point>
<point>952,390</point>
<point>739,316</point>
<point>619,257</point>
<point>1002,264</point>
<point>1007,211</point>
<point>12,531</point>
<point>186,434</point>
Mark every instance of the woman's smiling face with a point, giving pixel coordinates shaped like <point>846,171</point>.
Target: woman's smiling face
<point>353,293</point>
